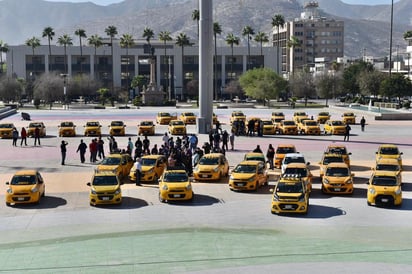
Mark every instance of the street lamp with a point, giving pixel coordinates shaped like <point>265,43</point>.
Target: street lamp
<point>169,76</point>
<point>64,75</point>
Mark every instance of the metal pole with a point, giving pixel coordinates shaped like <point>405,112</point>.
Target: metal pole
<point>390,43</point>
<point>170,77</point>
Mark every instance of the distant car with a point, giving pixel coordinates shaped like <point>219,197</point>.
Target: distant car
<point>337,179</point>
<point>290,196</point>
<point>118,163</point>
<point>335,127</point>
<point>105,189</point>
<point>26,186</point>
<point>177,127</point>
<point>175,185</point>
<point>349,118</point>
<point>211,166</point>
<point>309,127</point>
<point>189,118</point>
<point>328,158</point>
<point>6,130</point>
<point>254,156</point>
<point>323,117</point>
<point>288,127</point>
<point>268,127</point>
<point>152,168</point>
<point>117,128</point>
<point>164,118</point>
<point>388,164</point>
<point>67,129</point>
<point>277,117</point>
<point>339,149</point>
<point>32,127</point>
<point>281,151</point>
<point>248,175</point>
<point>146,127</point>
<point>292,158</point>
<point>299,115</point>
<point>384,189</point>
<point>389,151</point>
<point>92,128</point>
<point>237,115</point>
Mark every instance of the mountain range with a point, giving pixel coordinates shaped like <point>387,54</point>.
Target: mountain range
<point>367,28</point>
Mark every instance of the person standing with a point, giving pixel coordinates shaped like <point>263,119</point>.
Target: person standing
<point>362,123</point>
<point>93,150</point>
<point>63,150</point>
<point>82,149</point>
<point>347,132</point>
<point>15,136</point>
<point>23,135</point>
<point>129,149</point>
<point>225,139</point>
<point>138,170</point>
<point>270,155</point>
<point>37,136</point>
<point>232,139</point>
<point>100,148</point>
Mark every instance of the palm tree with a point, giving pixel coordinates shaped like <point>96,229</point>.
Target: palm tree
<point>217,29</point>
<point>182,40</point>
<point>65,40</point>
<point>196,17</point>
<point>278,21</point>
<point>4,48</point>
<point>81,33</point>
<point>33,42</point>
<point>293,43</point>
<point>261,38</point>
<point>96,41</point>
<point>49,33</point>
<point>165,37</point>
<point>111,31</point>
<point>148,34</point>
<point>231,40</point>
<point>408,37</point>
<point>127,41</point>
<point>248,31</point>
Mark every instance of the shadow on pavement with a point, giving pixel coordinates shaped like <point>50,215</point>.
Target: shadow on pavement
<point>45,202</point>
<point>198,200</point>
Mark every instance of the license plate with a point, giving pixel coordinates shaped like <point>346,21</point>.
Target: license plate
<point>20,199</point>
<point>336,189</point>
<point>385,200</point>
<point>176,195</point>
<point>204,176</point>
<point>288,207</point>
<point>105,198</point>
<point>241,184</point>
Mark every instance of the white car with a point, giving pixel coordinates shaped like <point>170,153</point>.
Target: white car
<point>292,158</point>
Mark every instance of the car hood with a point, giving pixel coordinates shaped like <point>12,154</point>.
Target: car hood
<point>175,185</point>
<point>22,188</point>
<point>106,167</point>
<point>207,167</point>
<point>242,176</point>
<point>337,180</point>
<point>111,188</point>
<point>286,195</point>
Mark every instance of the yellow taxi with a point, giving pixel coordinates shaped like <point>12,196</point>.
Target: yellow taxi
<point>119,164</point>
<point>212,166</point>
<point>254,156</point>
<point>339,149</point>
<point>268,127</point>
<point>290,196</point>
<point>277,117</point>
<point>384,188</point>
<point>6,130</point>
<point>309,127</point>
<point>177,127</point>
<point>67,129</point>
<point>334,127</point>
<point>117,128</point>
<point>32,127</point>
<point>189,118</point>
<point>174,184</point>
<point>237,115</point>
<point>248,175</point>
<point>389,164</point>
<point>281,151</point>
<point>337,179</point>
<point>146,128</point>
<point>323,116</point>
<point>299,115</point>
<point>164,118</point>
<point>328,158</point>
<point>105,189</point>
<point>349,118</point>
<point>300,170</point>
<point>26,186</point>
<point>288,127</point>
<point>389,151</point>
<point>152,168</point>
<point>92,128</point>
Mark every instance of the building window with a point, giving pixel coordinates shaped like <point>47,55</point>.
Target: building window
<point>189,60</point>
<point>59,60</point>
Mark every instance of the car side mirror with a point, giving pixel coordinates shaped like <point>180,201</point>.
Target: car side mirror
<point>376,152</point>
<point>89,184</point>
<point>7,183</point>
<point>352,174</point>
<point>350,153</point>
<point>401,153</point>
<point>308,163</point>
<point>271,190</point>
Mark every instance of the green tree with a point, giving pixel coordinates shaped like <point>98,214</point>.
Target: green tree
<point>232,40</point>
<point>65,40</point>
<point>96,41</point>
<point>324,86</point>
<point>49,33</point>
<point>83,85</point>
<point>49,87</point>
<point>407,34</point>
<point>396,86</point>
<point>217,30</point>
<point>302,85</point>
<point>293,43</point>
<point>182,41</point>
<point>148,34</point>
<point>248,31</point>
<point>262,84</point>
<point>127,41</point>
<point>369,82</point>
<point>4,48</point>
<point>104,95</point>
<point>165,37</point>
<point>81,33</point>
<point>10,89</point>
<point>350,77</point>
<point>138,82</point>
<point>196,17</point>
<point>34,43</point>
<point>278,21</point>
<point>111,31</point>
<point>261,38</point>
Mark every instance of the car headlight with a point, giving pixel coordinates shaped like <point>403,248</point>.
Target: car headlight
<point>114,170</point>
<point>151,170</point>
<point>189,187</point>
<point>372,191</point>
<point>231,177</point>
<point>302,198</point>
<point>348,181</point>
<point>93,191</point>
<point>9,190</point>
<point>326,181</point>
<point>216,169</point>
<point>118,191</point>
<point>196,169</point>
<point>251,179</point>
<point>165,187</point>
<point>34,190</point>
<point>399,158</point>
<point>398,191</point>
<point>275,197</point>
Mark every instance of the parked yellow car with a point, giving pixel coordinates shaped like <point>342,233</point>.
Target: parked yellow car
<point>117,128</point>
<point>288,127</point>
<point>300,170</point>
<point>254,156</point>
<point>389,164</point>
<point>146,128</point>
<point>175,185</point>
<point>335,127</point>
<point>281,151</point>
<point>164,118</point>
<point>323,116</point>
<point>299,115</point>
<point>26,186</point>
<point>349,118</point>
<point>32,127</point>
<point>277,117</point>
<point>189,118</point>
<point>67,129</point>
<point>212,166</point>
<point>268,127</point>
<point>6,130</point>
<point>328,158</point>
<point>105,189</point>
<point>152,168</point>
<point>92,128</point>
<point>339,149</point>
<point>248,175</point>
<point>177,127</point>
<point>337,179</point>
<point>290,196</point>
<point>389,151</point>
<point>237,115</point>
<point>119,164</point>
<point>309,127</point>
<point>384,188</point>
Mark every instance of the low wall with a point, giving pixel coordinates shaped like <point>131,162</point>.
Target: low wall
<point>7,111</point>
<point>394,116</point>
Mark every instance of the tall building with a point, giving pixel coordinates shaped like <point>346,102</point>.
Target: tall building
<point>320,40</point>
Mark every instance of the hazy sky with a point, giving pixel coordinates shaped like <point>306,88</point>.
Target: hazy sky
<point>107,2</point>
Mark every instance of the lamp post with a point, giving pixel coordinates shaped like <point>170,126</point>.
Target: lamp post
<point>169,76</point>
<point>64,75</point>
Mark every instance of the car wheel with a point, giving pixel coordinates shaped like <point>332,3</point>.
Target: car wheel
<point>369,204</point>
<point>255,188</point>
<point>8,204</point>
<point>322,189</point>
<point>161,199</point>
<point>43,194</point>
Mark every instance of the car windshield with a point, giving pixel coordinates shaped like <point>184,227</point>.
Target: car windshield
<point>110,161</point>
<point>337,172</point>
<point>289,123</point>
<point>6,126</point>
<point>117,123</point>
<point>337,150</point>
<point>289,160</point>
<point>267,123</point>
<point>238,114</point>
<point>387,167</point>
<point>311,123</point>
<point>300,114</point>
<point>148,162</point>
<point>146,123</point>
<point>92,124</point>
<point>178,123</point>
<point>301,172</point>
<point>332,159</point>
<point>189,114</point>
<point>164,114</point>
<point>175,177</point>
<point>289,188</point>
<point>277,114</point>
<point>209,161</point>
<point>66,124</point>
<point>348,114</point>
<point>255,158</point>
<point>105,181</point>
<point>35,125</point>
<point>389,151</point>
<point>23,180</point>
<point>285,150</point>
<point>245,169</point>
<point>323,113</point>
<point>384,181</point>
<point>337,123</point>
<point>278,120</point>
